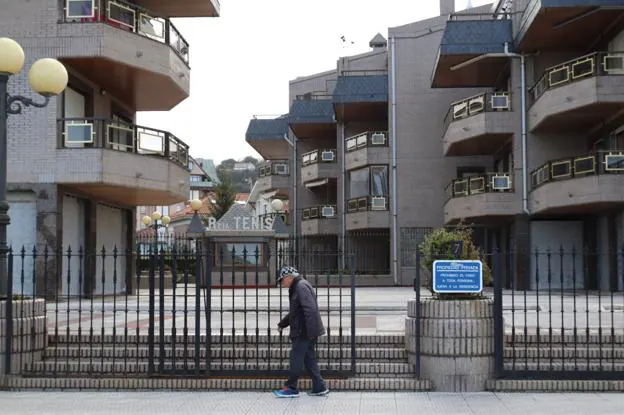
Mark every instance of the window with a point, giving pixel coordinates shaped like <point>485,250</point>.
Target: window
<point>79,8</point>
<point>369,181</point>
<point>196,178</point>
<point>239,254</point>
<point>194,194</point>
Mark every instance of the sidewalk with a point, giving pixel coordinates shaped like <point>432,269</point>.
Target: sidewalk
<point>231,403</point>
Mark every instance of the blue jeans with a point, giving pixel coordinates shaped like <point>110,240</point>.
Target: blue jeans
<point>302,354</point>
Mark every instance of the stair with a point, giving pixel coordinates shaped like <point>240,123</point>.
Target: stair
<point>122,362</point>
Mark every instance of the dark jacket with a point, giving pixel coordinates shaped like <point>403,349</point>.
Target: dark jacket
<point>303,317</point>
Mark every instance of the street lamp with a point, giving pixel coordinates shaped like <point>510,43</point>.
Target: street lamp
<point>48,77</point>
<point>277,205</point>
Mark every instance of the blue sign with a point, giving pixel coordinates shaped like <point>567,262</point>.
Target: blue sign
<point>457,276</point>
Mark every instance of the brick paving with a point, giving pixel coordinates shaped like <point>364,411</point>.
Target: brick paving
<point>364,403</point>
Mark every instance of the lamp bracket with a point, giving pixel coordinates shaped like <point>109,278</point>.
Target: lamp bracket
<point>16,103</point>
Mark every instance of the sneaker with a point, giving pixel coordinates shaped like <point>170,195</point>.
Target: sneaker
<point>286,392</point>
<point>323,392</point>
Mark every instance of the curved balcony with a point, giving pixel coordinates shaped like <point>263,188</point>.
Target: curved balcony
<point>367,148</point>
<point>320,220</point>
<point>368,212</point>
<point>478,125</point>
<point>183,8</point>
<point>129,51</point>
<point>482,198</point>
<point>587,183</point>
<point>123,163</point>
<point>274,176</point>
<point>577,95</point>
<point>319,167</point>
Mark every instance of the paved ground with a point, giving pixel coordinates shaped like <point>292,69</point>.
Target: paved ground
<point>229,403</point>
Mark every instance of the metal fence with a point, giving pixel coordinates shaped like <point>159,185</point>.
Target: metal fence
<point>180,310</point>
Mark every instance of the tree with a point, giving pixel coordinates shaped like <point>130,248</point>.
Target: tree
<point>225,195</point>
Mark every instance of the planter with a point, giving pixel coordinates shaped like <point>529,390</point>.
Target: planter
<point>28,327</point>
<point>456,342</point>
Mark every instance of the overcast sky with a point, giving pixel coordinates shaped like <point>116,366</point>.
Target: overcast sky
<point>242,61</point>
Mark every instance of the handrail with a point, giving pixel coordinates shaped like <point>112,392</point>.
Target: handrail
<point>368,203</point>
<point>74,133</point>
<point>366,139</point>
<point>492,182</point>
<point>326,211</point>
<point>314,96</point>
<point>583,67</point>
<point>130,17</point>
<point>478,104</point>
<point>274,168</point>
<point>600,162</point>
<point>363,72</point>
<point>318,156</point>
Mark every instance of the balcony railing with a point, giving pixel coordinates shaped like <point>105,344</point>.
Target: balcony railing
<point>607,162</point>
<point>588,66</point>
<point>327,211</point>
<point>366,203</point>
<point>478,104</point>
<point>483,183</point>
<point>284,215</point>
<point>126,16</point>
<point>319,156</point>
<point>367,139</point>
<point>75,133</point>
<point>274,168</point>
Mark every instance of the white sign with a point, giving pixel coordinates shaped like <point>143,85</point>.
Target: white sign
<point>242,224</point>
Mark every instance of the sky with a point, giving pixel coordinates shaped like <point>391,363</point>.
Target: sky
<point>242,61</point>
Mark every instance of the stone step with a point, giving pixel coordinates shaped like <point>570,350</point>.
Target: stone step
<point>389,384</point>
<point>569,338</point>
<point>218,352</point>
<point>385,340</point>
<point>567,365</point>
<point>533,385</point>
<point>581,352</point>
<point>134,367</point>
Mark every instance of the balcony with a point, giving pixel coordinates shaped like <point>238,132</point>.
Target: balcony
<point>361,96</point>
<point>274,176</point>
<point>183,8</point>
<point>367,148</point>
<point>122,163</point>
<point>131,52</point>
<point>567,24</point>
<point>312,116</point>
<point>480,40</point>
<point>267,137</point>
<point>319,167</point>
<point>577,185</point>
<point>478,125</point>
<point>577,95</point>
<point>319,220</point>
<point>368,212</point>
<point>482,198</point>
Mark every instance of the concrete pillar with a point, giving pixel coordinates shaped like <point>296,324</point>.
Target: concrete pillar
<point>28,325</point>
<point>522,248</point>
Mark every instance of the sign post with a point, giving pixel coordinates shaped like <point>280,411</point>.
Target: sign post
<point>457,276</point>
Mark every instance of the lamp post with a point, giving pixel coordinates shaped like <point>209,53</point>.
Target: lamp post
<point>153,223</point>
<point>48,77</point>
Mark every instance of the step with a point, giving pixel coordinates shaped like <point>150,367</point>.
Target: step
<point>547,366</point>
<point>569,338</point>
<point>218,352</point>
<point>388,384</point>
<point>581,352</point>
<point>533,385</point>
<point>127,367</point>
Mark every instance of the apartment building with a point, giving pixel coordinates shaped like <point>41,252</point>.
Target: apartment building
<point>79,167</point>
<point>506,117</point>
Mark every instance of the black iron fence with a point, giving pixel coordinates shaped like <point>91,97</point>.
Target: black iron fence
<point>181,310</point>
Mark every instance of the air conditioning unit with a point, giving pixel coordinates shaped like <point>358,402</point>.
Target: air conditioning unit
<point>500,101</point>
<point>378,203</point>
<point>328,212</point>
<point>378,139</point>
<point>501,182</point>
<point>328,156</point>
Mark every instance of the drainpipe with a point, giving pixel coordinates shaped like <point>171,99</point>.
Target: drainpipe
<point>393,196</point>
<point>343,196</point>
<point>523,109</point>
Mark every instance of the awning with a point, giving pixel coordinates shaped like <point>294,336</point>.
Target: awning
<point>317,183</point>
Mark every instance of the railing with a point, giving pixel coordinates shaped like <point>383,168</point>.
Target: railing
<point>594,64</point>
<point>363,72</point>
<point>478,104</point>
<point>366,139</point>
<point>126,16</point>
<point>274,168</point>
<point>319,212</point>
<point>366,203</point>
<point>483,183</point>
<point>319,156</point>
<point>284,215</point>
<point>77,133</point>
<point>314,96</point>
<point>608,162</point>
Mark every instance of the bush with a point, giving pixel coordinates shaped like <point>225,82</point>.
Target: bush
<point>438,245</point>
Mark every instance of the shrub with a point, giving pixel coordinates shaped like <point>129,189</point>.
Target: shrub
<point>438,245</point>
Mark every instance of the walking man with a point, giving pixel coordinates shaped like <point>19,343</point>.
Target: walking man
<point>306,326</point>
